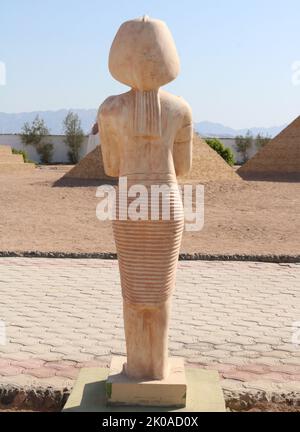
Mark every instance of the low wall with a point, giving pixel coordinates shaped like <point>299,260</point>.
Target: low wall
<point>60,151</point>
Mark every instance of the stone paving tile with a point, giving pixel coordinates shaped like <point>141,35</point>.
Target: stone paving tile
<point>63,314</point>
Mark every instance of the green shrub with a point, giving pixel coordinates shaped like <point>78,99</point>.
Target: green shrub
<point>74,136</point>
<point>45,151</point>
<point>243,144</point>
<point>35,134</point>
<point>23,153</point>
<point>224,152</point>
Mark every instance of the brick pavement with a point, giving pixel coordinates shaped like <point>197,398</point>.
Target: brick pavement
<point>63,314</point>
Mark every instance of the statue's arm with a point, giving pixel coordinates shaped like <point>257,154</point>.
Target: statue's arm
<point>183,145</point>
<point>108,140</point>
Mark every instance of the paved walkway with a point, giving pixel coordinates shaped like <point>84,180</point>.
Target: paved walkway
<point>62,314</point>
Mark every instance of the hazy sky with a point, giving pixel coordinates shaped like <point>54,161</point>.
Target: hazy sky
<point>236,56</point>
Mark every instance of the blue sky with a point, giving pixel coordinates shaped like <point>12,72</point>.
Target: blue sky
<point>236,56</point>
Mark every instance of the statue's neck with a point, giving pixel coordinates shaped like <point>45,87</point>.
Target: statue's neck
<point>147,113</point>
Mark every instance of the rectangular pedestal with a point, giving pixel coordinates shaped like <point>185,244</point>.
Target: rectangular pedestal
<point>204,393</point>
<point>170,392</point>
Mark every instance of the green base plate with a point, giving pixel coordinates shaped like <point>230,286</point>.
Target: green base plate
<point>204,393</point>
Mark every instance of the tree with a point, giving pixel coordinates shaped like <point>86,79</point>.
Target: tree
<point>74,136</point>
<point>34,134</point>
<point>261,141</point>
<point>224,152</point>
<point>243,144</point>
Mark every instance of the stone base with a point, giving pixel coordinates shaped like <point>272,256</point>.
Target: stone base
<point>170,392</point>
<point>204,393</point>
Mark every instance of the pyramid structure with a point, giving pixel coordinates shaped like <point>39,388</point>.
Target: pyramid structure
<point>13,163</point>
<point>279,158</point>
<point>207,166</point>
<point>89,168</point>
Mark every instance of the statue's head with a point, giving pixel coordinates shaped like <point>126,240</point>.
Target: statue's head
<point>143,54</point>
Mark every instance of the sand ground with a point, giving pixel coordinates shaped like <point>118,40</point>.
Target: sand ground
<point>240,217</point>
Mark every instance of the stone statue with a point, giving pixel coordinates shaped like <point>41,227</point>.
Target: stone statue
<point>146,137</point>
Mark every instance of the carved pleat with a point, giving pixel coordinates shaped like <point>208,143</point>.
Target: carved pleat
<point>148,253</point>
<point>147,114</point>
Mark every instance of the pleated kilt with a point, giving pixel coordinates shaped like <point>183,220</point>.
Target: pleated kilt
<point>148,249</point>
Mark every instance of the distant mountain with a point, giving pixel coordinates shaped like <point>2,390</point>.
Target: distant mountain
<point>210,129</point>
<point>12,123</point>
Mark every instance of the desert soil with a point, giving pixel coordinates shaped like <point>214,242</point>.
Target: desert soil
<point>240,217</point>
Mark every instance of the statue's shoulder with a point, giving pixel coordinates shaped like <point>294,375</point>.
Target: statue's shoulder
<point>176,103</point>
<point>113,105</point>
